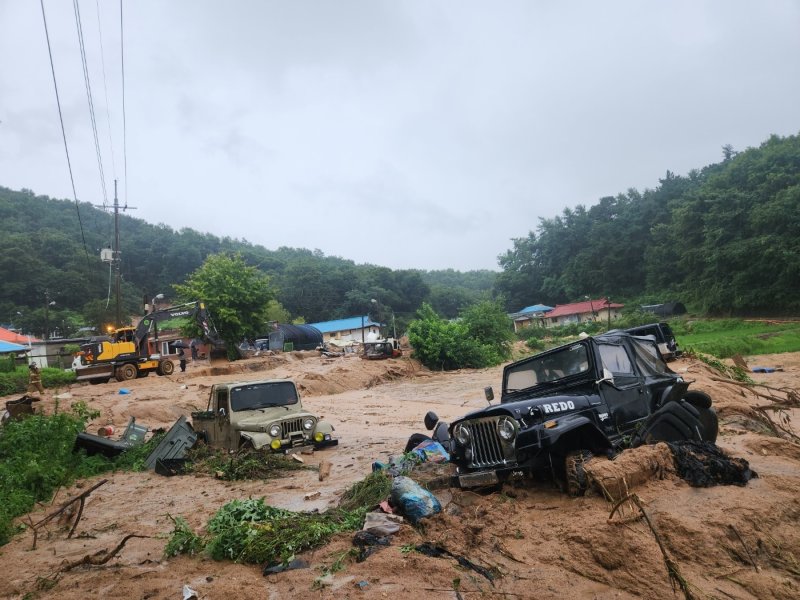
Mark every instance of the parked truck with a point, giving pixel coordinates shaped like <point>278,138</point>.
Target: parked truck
<point>260,414</point>
<point>126,355</point>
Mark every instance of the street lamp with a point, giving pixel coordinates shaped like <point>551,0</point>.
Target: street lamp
<point>47,305</point>
<point>153,301</point>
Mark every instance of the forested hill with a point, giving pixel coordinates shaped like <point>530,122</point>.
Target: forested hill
<point>725,239</point>
<point>42,255</point>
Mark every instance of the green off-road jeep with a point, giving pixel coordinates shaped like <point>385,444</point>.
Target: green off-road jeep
<point>260,414</point>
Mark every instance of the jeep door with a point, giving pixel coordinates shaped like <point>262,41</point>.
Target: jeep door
<point>222,418</point>
<point>628,399</point>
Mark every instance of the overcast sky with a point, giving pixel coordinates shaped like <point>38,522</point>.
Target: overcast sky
<point>409,134</point>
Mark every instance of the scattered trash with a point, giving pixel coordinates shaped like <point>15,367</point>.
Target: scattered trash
<point>414,501</point>
<point>63,396</point>
<point>368,543</point>
<point>189,593</point>
<point>22,407</point>
<point>431,451</point>
<point>312,495</point>
<point>765,369</point>
<point>133,435</point>
<point>436,551</point>
<point>124,391</point>
<point>275,568</point>
<point>297,457</point>
<point>379,523</point>
<point>363,584</point>
<point>175,444</point>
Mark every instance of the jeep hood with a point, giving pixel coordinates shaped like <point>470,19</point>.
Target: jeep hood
<point>557,404</point>
<point>263,420</point>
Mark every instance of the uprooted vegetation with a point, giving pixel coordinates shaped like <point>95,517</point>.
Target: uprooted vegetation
<point>246,464</point>
<point>250,531</point>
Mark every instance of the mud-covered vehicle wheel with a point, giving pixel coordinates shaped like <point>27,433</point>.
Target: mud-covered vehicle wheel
<point>166,367</point>
<point>127,372</point>
<point>576,481</point>
<point>707,415</point>
<point>674,422</point>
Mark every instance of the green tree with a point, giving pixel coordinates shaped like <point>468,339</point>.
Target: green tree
<point>488,323</point>
<point>447,345</point>
<point>237,296</point>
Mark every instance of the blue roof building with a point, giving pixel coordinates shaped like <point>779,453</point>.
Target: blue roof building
<point>350,328</point>
<point>526,316</point>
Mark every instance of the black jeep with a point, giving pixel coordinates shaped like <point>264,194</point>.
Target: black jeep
<point>594,396</point>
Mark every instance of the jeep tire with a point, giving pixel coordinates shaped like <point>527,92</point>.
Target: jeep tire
<point>674,422</point>
<point>576,480</point>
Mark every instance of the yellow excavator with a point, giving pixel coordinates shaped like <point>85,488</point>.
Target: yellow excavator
<point>127,354</point>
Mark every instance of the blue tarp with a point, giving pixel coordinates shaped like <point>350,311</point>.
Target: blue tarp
<point>9,347</point>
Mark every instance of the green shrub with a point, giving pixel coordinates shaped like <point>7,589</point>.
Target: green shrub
<point>16,381</point>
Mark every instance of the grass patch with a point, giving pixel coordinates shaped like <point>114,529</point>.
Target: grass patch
<point>724,338</point>
<point>250,531</point>
<point>16,381</point>
<point>246,464</point>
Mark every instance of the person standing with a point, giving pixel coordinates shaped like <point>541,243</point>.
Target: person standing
<point>182,359</point>
<point>35,379</point>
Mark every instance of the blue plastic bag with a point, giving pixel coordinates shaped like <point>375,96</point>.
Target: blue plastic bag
<point>412,500</point>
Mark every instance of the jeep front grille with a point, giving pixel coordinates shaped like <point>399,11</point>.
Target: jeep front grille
<point>291,426</point>
<point>487,451</point>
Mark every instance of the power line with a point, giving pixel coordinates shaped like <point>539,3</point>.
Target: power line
<point>124,120</point>
<point>105,90</point>
<point>89,98</point>
<point>63,132</point>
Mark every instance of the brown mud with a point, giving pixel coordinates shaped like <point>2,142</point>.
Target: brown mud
<point>728,541</point>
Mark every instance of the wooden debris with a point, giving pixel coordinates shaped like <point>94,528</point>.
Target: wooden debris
<point>80,498</point>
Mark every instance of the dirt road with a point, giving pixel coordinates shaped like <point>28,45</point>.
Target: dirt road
<point>729,542</point>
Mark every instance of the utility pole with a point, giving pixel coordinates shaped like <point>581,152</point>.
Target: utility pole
<point>116,256</point>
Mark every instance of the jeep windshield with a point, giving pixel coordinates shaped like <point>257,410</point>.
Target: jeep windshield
<point>263,395</point>
<point>545,369</point>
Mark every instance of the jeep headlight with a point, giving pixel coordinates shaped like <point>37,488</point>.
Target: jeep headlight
<point>462,435</point>
<point>308,424</point>
<point>275,430</point>
<point>506,429</point>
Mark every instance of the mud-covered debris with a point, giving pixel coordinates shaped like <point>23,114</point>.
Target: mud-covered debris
<point>703,464</point>
<point>436,551</point>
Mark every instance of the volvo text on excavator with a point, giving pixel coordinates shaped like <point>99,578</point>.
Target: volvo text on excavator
<point>127,354</point>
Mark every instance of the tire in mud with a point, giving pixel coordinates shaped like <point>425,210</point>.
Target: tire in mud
<point>127,372</point>
<point>673,422</point>
<point>166,367</point>
<point>576,481</point>
<point>414,440</point>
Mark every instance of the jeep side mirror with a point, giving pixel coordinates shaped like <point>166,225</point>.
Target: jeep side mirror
<point>221,412</point>
<point>489,393</point>
<point>431,418</point>
<point>608,377</point>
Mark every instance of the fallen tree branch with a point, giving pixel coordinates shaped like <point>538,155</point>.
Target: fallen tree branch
<point>79,498</point>
<point>746,549</point>
<point>100,557</point>
<point>673,571</point>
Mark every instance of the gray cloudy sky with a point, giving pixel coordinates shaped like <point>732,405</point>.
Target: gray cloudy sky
<point>416,133</point>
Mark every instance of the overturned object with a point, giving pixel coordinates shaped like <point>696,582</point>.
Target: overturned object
<point>20,408</point>
<point>96,444</point>
<point>179,439</point>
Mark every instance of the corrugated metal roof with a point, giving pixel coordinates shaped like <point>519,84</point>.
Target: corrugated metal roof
<point>579,308</point>
<point>535,308</point>
<point>343,324</point>
<point>9,347</point>
<point>9,336</point>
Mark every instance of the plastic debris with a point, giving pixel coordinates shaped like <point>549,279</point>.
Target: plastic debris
<point>368,543</point>
<point>189,593</point>
<point>431,451</point>
<point>436,551</point>
<point>379,523</point>
<point>412,500</point>
<point>124,391</point>
<point>274,568</point>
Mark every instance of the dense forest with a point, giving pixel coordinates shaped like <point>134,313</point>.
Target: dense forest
<point>44,260</point>
<point>724,239</point>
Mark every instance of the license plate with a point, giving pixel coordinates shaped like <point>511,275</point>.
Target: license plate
<point>475,479</point>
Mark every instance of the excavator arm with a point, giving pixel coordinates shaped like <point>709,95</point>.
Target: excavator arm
<point>194,310</point>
